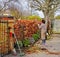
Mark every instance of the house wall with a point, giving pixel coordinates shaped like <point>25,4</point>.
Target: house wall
<point>56,26</point>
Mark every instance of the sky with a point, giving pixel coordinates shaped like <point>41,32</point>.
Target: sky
<point>57,13</point>
<point>40,14</point>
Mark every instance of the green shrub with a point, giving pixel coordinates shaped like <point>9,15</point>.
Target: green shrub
<point>39,33</point>
<point>33,17</point>
<point>26,42</point>
<point>35,36</point>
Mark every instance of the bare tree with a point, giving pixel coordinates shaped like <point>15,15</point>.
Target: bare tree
<point>3,6</point>
<point>15,13</point>
<point>48,8</point>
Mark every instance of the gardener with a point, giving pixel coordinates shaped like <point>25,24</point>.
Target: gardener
<point>42,27</point>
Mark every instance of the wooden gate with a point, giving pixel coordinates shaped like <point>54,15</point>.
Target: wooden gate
<point>4,38</point>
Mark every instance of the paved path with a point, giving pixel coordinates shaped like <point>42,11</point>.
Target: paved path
<point>52,45</point>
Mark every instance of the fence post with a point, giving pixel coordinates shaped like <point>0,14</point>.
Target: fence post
<point>8,32</point>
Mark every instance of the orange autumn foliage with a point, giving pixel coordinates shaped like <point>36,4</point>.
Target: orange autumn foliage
<point>26,27</point>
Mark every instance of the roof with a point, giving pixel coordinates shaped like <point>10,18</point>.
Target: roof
<point>5,17</point>
<point>1,16</point>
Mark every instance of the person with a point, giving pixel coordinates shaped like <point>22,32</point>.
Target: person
<point>11,43</point>
<point>42,28</point>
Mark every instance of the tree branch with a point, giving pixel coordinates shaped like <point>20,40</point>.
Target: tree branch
<point>5,5</point>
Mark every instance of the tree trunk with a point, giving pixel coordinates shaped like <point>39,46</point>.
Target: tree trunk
<point>46,21</point>
<point>48,25</point>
